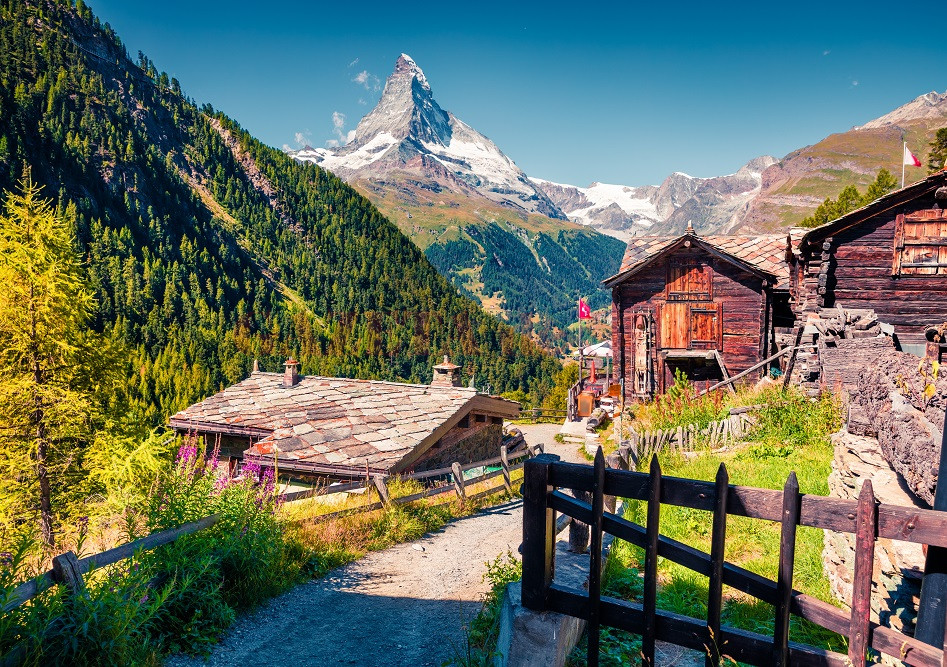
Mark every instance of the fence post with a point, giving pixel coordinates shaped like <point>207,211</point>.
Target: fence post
<point>539,532</point>
<point>66,570</point>
<point>718,547</point>
<point>595,558</point>
<point>650,593</point>
<point>578,531</point>
<point>505,463</point>
<point>787,553</point>
<point>860,624</point>
<point>458,476</point>
<point>382,488</point>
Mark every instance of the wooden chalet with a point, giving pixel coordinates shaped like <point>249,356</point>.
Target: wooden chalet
<point>889,256</point>
<point>705,305</point>
<point>339,428</point>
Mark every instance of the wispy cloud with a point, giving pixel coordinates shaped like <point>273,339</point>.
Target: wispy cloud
<point>854,83</point>
<point>827,52</point>
<point>367,80</point>
<point>353,63</point>
<point>338,127</point>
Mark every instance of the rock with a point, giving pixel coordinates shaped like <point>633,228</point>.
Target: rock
<point>898,565</point>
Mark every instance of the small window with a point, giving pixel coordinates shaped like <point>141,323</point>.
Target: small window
<point>689,279</point>
<point>920,244</point>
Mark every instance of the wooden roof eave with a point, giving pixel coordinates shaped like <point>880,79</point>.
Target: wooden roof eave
<point>711,249</point>
<point>216,427</point>
<point>481,403</point>
<point>880,205</point>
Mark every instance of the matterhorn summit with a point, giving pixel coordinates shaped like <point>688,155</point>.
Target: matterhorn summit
<point>409,134</point>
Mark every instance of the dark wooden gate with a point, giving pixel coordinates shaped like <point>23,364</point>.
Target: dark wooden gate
<point>545,476</point>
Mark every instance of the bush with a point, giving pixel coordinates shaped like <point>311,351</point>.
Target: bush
<point>680,406</point>
<point>178,597</point>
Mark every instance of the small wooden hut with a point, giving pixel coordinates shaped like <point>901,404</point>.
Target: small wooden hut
<point>705,306</point>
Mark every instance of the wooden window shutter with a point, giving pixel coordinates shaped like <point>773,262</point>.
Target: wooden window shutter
<point>920,244</point>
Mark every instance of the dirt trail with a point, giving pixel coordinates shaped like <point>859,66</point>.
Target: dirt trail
<point>404,606</point>
<point>398,607</point>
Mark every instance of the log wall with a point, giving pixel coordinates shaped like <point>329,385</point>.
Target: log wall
<point>853,269</point>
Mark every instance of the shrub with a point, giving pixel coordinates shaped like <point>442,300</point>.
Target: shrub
<point>178,597</point>
<point>680,405</point>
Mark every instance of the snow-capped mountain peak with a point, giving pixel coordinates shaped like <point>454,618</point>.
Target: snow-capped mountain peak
<point>408,131</point>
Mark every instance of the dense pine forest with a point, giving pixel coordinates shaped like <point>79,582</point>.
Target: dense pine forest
<point>203,248</point>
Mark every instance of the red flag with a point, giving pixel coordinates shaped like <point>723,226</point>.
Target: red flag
<point>585,313</point>
<point>910,159</point>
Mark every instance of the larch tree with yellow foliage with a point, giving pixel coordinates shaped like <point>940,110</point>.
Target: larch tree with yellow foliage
<point>51,364</point>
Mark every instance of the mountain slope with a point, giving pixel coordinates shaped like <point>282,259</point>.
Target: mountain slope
<point>765,194</point>
<point>799,182</point>
<point>208,249</point>
<point>476,215</point>
<point>712,205</point>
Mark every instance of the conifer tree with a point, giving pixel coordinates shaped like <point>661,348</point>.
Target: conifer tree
<point>49,361</point>
<point>937,158</point>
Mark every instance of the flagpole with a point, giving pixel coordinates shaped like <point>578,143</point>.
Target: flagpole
<point>903,153</point>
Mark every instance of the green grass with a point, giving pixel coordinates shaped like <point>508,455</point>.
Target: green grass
<point>792,435</point>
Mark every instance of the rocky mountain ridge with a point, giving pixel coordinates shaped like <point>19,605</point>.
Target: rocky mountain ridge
<point>409,132</point>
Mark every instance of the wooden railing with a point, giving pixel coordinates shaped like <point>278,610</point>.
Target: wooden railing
<point>546,476</point>
<point>69,570</point>
<point>538,414</point>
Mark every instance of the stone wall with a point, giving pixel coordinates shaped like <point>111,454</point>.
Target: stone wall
<point>477,442</point>
<point>896,579</point>
<point>899,400</point>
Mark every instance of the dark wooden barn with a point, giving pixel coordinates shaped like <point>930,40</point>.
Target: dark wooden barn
<point>706,306</point>
<point>889,256</point>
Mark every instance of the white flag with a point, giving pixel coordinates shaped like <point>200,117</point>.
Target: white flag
<point>909,159</point>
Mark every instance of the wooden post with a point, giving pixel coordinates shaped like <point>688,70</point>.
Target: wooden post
<point>680,438</point>
<point>379,481</point>
<point>595,558</point>
<point>458,476</point>
<point>505,463</point>
<point>650,596</point>
<point>66,570</point>
<point>860,625</point>
<point>718,546</point>
<point>787,554</point>
<point>539,532</point>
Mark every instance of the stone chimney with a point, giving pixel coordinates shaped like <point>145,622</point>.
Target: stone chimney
<point>291,374</point>
<point>446,374</point>
<point>256,365</point>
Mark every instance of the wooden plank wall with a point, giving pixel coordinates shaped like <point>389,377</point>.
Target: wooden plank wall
<point>860,276</point>
<point>744,314</point>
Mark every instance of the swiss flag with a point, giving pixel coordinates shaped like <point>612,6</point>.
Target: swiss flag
<point>585,313</point>
<point>909,158</point>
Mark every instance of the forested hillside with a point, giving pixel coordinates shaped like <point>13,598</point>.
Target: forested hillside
<point>207,249</point>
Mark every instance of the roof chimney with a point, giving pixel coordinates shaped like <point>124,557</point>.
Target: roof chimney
<point>690,227</point>
<point>446,374</point>
<point>291,374</point>
<point>256,365</point>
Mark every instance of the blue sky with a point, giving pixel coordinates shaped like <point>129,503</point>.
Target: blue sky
<point>572,92</point>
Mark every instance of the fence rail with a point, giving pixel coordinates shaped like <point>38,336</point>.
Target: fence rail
<point>866,518</point>
<point>69,570</point>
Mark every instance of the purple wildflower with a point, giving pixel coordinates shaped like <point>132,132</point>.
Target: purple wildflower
<point>6,558</point>
<point>144,598</point>
<point>251,471</point>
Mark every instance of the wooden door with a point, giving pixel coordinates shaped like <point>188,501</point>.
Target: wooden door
<point>675,326</point>
<point>706,326</point>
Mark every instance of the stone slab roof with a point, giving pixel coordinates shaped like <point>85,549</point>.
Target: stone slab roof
<point>765,252</point>
<point>333,423</point>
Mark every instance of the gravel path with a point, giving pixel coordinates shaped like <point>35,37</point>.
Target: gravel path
<point>404,606</point>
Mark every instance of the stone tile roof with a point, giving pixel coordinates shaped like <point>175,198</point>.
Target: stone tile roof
<point>337,422</point>
<point>765,252</point>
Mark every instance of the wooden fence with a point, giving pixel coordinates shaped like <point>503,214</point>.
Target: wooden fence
<point>718,433</point>
<point>68,569</point>
<point>545,476</point>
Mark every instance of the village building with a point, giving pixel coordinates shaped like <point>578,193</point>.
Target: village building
<point>889,257</point>
<point>714,306</point>
<point>702,305</point>
<point>340,428</point>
